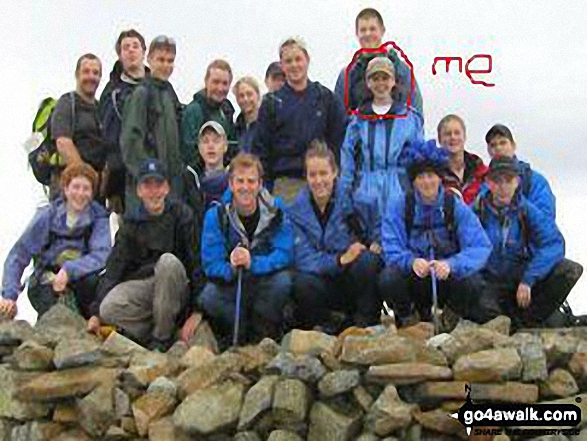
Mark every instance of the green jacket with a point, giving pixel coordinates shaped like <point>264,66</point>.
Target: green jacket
<point>150,129</point>
<point>198,112</point>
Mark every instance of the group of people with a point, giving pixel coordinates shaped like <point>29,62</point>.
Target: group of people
<point>296,213</point>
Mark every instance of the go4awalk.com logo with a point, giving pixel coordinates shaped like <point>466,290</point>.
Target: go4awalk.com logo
<point>509,416</point>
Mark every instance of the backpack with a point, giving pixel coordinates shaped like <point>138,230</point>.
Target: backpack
<point>448,210</point>
<point>45,159</point>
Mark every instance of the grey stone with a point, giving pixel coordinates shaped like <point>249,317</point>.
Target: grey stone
<point>60,323</point>
<point>151,407</point>
<point>438,340</point>
<point>559,384</point>
<point>304,367</point>
<point>32,356</point>
<point>117,344</point>
<point>558,348</point>
<point>121,404</point>
<point>489,366</point>
<point>291,401</point>
<point>76,353</point>
<point>258,400</point>
<point>163,385</point>
<point>97,411</point>
<point>368,436</point>
<point>165,430</point>
<point>339,382</point>
<point>115,433</point>
<point>284,435</point>
<point>247,436</point>
<point>76,434</point>
<point>501,324</point>
<point>178,349</point>
<point>388,413</point>
<point>14,332</point>
<point>467,340</point>
<point>204,337</point>
<point>210,410</point>
<point>532,354</point>
<point>329,424</point>
<point>36,431</point>
<point>12,407</point>
<point>308,342</point>
<point>197,356</point>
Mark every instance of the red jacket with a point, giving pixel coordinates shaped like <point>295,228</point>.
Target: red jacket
<point>472,178</point>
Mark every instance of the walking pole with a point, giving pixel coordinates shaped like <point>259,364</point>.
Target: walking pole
<point>237,312</point>
<point>434,293</point>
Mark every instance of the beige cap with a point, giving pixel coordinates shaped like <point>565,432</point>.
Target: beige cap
<point>380,64</point>
<point>217,127</point>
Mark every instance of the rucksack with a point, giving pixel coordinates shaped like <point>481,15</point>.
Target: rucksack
<point>448,212</point>
<point>45,159</point>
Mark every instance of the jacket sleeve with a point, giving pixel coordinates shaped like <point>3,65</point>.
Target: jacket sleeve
<point>546,244</point>
<point>339,87</point>
<point>99,246</point>
<point>475,246</point>
<point>310,259</point>
<point>191,122</point>
<point>215,258</point>
<point>541,195</point>
<point>30,243</point>
<point>264,138</point>
<point>394,238</point>
<point>134,130</point>
<point>282,255</point>
<point>336,125</point>
<point>347,154</point>
<point>189,240</point>
<point>416,100</point>
<point>116,267</point>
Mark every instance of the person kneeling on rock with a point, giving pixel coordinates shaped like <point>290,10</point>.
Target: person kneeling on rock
<point>527,276</point>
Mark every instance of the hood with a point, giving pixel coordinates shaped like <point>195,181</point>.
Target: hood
<point>117,70</point>
<point>226,106</point>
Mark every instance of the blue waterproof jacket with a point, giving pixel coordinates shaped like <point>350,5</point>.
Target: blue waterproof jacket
<point>525,253</point>
<point>80,250</point>
<point>535,188</point>
<point>371,166</point>
<point>316,249</point>
<point>245,134</point>
<point>466,254</point>
<point>288,121</point>
<point>272,246</point>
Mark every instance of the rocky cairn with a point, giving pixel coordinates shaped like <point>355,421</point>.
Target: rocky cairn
<point>60,383</point>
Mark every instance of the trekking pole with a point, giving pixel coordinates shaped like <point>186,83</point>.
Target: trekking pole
<point>237,312</point>
<point>434,293</point>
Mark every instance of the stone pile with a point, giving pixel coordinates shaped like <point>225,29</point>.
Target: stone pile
<point>60,383</point>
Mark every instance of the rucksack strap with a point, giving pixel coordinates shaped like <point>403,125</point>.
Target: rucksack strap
<point>527,181</point>
<point>410,207</point>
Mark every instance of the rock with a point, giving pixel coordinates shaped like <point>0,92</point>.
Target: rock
<point>439,421</point>
<point>115,433</point>
<point>493,365</point>
<point>284,435</point>
<point>151,407</point>
<point>121,404</point>
<point>419,331</point>
<point>328,424</point>
<point>118,344</point>
<point>308,342</point>
<point>474,339</point>
<point>578,367</point>
<point>5,429</point>
<point>178,349</point>
<point>339,382</point>
<point>15,332</point>
<point>501,324</point>
<point>146,367</point>
<point>209,374</point>
<point>367,437</point>
<point>65,384</point>
<point>558,348</point>
<point>247,436</point>
<point>163,385</point>
<point>363,398</point>
<point>197,356</point>
<point>204,337</point>
<point>438,340</point>
<point>128,425</point>
<point>61,323</point>
<point>12,407</point>
<point>304,367</point>
<point>31,356</point>
<point>97,411</point>
<point>258,400</point>
<point>559,384</point>
<point>73,435</point>
<point>532,354</point>
<point>387,349</point>
<point>407,373</point>
<point>210,410</point>
<point>510,392</point>
<point>435,391</point>
<point>76,353</point>
<point>388,413</point>
<point>165,430</point>
<point>331,361</point>
<point>36,431</point>
<point>254,359</point>
<point>66,413</point>
<point>291,401</point>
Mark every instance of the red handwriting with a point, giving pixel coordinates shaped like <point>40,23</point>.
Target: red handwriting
<point>468,71</point>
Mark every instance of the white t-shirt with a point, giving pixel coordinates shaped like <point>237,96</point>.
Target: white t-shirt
<point>381,110</point>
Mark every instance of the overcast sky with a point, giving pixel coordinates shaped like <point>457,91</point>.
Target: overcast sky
<point>537,47</point>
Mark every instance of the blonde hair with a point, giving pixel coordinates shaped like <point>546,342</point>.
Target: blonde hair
<point>249,81</point>
<point>294,41</point>
<point>218,64</point>
<point>319,149</point>
<point>245,160</point>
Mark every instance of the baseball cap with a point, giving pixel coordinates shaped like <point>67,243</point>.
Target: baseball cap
<point>380,64</point>
<point>216,126</point>
<point>152,168</point>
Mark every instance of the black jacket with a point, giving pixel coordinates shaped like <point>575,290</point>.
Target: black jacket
<point>143,238</point>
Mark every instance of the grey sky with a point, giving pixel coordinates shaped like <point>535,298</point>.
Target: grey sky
<point>538,49</point>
